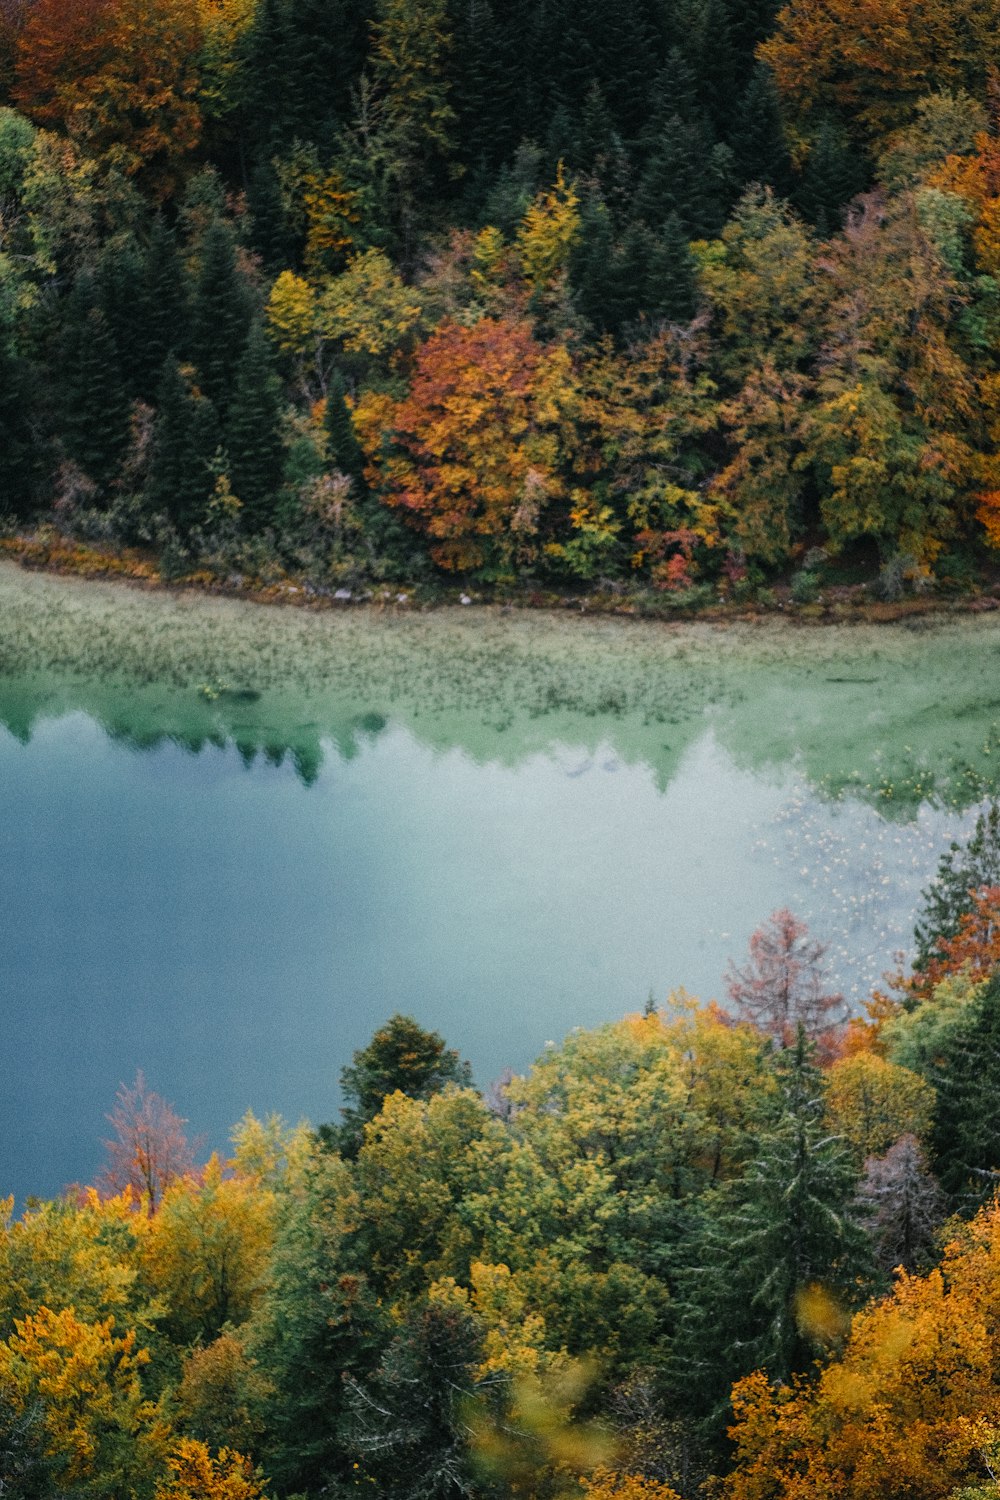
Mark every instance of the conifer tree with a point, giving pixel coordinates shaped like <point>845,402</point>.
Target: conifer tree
<point>185,443</point>
<point>345,450</point>
<point>776,1247</point>
<point>18,441</point>
<point>758,138</point>
<point>671,291</point>
<point>834,172</point>
<point>965,1138</point>
<point>221,316</point>
<point>96,416</point>
<point>167,304</point>
<point>253,432</point>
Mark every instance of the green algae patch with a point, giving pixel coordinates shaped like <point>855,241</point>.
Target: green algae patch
<point>890,714</point>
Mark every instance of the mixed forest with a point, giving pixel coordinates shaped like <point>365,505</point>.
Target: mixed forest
<point>699,1254</point>
<point>683,295</point>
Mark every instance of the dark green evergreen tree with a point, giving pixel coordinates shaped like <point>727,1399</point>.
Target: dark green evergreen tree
<point>965,869</point>
<point>19,440</point>
<point>167,304</point>
<point>221,317</point>
<point>594,269</point>
<point>758,141</point>
<point>965,1138</point>
<point>671,284</point>
<point>400,1056</point>
<point>345,450</point>
<point>253,433</point>
<point>95,412</point>
<point>318,1328</point>
<point>834,172</point>
<point>185,443</point>
<point>122,295</point>
<point>683,176</point>
<point>410,1418</point>
<point>785,1227</point>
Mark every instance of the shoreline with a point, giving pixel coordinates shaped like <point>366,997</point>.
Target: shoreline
<point>839,604</point>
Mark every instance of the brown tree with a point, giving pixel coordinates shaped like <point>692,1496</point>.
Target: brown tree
<point>149,1150</point>
<point>783,985</point>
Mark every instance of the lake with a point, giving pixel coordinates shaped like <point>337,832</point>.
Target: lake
<point>235,838</point>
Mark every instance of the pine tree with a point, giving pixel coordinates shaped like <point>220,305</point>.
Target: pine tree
<point>834,173</point>
<point>253,433</point>
<point>121,292</point>
<point>965,869</point>
<point>167,304</point>
<point>345,450</point>
<point>96,417</point>
<point>671,283</point>
<point>18,442</point>
<point>965,1138</point>
<point>776,1247</point>
<point>758,139</point>
<point>221,316</point>
<point>400,1056</point>
<point>680,178</point>
<point>185,443</point>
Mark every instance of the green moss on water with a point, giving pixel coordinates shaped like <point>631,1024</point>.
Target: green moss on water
<point>883,713</point>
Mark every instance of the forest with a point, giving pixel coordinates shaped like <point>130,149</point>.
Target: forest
<point>741,1254</point>
<point>688,297</point>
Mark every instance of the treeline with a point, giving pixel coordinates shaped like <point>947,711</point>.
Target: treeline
<point>693,294</point>
<point>694,1253</point>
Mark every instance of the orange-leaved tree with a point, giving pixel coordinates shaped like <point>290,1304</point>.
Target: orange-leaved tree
<point>474,454</point>
<point>912,1408</point>
<point>121,76</point>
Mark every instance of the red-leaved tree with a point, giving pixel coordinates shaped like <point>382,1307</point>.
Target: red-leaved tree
<point>784,986</point>
<point>149,1149</point>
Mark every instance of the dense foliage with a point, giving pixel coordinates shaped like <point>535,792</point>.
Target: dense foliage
<point>750,1254</point>
<point>691,295</point>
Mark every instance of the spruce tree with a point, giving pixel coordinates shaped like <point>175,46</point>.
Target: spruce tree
<point>253,433</point>
<point>121,292</point>
<point>18,441</point>
<point>965,1138</point>
<point>185,443</point>
<point>680,178</point>
<point>344,448</point>
<point>784,1232</point>
<point>833,174</point>
<point>671,285</point>
<point>965,869</point>
<point>167,304</point>
<point>221,316</point>
<point>96,416</point>
<point>758,138</point>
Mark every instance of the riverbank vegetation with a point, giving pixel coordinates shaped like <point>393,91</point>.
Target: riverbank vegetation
<point>746,1253</point>
<point>699,302</point>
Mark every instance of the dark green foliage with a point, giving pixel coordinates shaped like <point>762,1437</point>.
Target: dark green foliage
<point>19,445</point>
<point>222,315</point>
<point>25,1472</point>
<point>344,451</point>
<point>758,141</point>
<point>686,175</point>
<point>253,433</point>
<point>95,412</point>
<point>319,1327</point>
<point>966,869</point>
<point>833,174</point>
<point>121,291</point>
<point>167,304</point>
<point>410,1419</point>
<point>965,1139</point>
<point>787,1225</point>
<point>400,1056</point>
<point>185,443</point>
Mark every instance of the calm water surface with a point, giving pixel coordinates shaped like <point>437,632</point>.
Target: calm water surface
<point>233,840</point>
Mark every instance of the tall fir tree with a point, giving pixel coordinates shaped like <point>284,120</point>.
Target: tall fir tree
<point>167,305</point>
<point>774,1243</point>
<point>95,412</point>
<point>185,443</point>
<point>758,139</point>
<point>253,433</point>
<point>834,172</point>
<point>221,316</point>
<point>344,448</point>
<point>965,1137</point>
<point>19,443</point>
